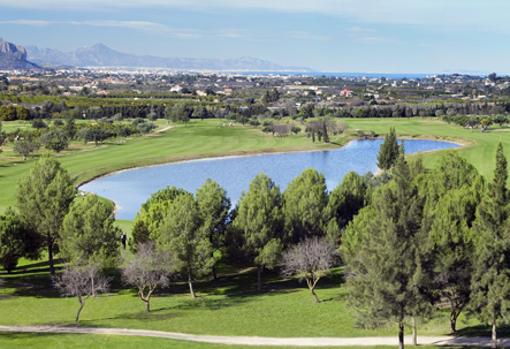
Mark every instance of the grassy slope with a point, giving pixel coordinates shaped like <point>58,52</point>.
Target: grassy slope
<point>480,150</point>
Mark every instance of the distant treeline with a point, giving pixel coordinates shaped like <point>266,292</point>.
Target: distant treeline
<point>183,111</point>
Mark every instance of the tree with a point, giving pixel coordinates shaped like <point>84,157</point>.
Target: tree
<point>70,128</point>
<point>310,260</point>
<point>452,193</point>
<point>3,137</point>
<point>490,287</point>
<point>384,272</point>
<point>260,221</point>
<point>389,151</point>
<point>82,282</point>
<point>179,112</point>
<point>147,270</point>
<point>25,147</point>
<point>55,140</point>
<point>151,215</point>
<point>304,202</point>
<point>89,233</point>
<point>181,237</point>
<point>16,240</point>
<point>95,133</point>
<point>43,200</point>
<point>344,203</point>
<point>214,207</point>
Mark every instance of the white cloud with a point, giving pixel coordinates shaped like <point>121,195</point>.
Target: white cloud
<point>479,15</point>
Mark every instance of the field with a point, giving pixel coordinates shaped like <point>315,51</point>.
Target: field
<point>228,306</point>
<point>212,138</point>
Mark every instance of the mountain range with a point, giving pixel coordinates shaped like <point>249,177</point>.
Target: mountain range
<point>100,55</point>
<point>14,56</point>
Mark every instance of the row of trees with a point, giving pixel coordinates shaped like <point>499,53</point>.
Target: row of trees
<point>428,238</point>
<point>59,136</point>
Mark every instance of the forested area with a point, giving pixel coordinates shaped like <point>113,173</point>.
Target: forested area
<point>408,240</point>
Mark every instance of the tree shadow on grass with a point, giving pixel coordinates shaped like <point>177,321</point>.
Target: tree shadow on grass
<point>483,331</point>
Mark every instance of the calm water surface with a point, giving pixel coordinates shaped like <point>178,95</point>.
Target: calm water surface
<point>131,188</point>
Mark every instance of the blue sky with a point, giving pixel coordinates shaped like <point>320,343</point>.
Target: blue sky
<point>389,36</point>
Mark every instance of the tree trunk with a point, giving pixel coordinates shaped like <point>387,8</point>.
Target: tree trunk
<point>415,332</point>
<point>147,305</point>
<point>214,273</point>
<point>82,303</point>
<point>311,287</point>
<point>190,284</point>
<point>259,278</point>
<point>453,321</point>
<point>50,257</point>
<point>494,341</point>
<point>401,334</point>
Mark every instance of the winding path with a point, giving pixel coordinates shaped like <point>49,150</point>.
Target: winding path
<point>261,341</point>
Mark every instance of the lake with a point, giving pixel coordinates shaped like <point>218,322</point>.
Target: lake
<point>129,189</point>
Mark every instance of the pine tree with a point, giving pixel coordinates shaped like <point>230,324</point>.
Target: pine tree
<point>304,202</point>
<point>260,221</point>
<point>43,200</point>
<point>452,193</point>
<point>491,278</point>
<point>385,271</point>
<point>214,208</point>
<point>389,151</point>
<point>181,236</point>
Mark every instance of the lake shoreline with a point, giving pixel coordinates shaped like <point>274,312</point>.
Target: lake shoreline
<point>327,147</point>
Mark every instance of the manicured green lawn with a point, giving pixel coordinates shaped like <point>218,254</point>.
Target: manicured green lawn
<point>229,306</point>
<point>480,149</point>
<point>209,138</point>
<point>79,341</point>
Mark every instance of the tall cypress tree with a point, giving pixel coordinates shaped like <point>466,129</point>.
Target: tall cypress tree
<point>491,278</point>
<point>385,270</point>
<point>389,151</point>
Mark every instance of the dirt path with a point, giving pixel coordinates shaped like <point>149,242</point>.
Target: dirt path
<point>261,341</point>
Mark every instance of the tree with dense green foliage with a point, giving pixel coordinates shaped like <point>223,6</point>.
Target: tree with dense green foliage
<point>344,203</point>
<point>89,234</point>
<point>43,199</point>
<point>384,272</point>
<point>55,139</point>
<point>259,219</point>
<point>214,207</point>
<point>304,202</point>
<point>452,192</point>
<point>25,147</point>
<point>16,240</point>
<point>182,237</point>
<point>151,215</point>
<point>389,151</point>
<point>179,112</point>
<point>490,287</point>
<point>70,128</point>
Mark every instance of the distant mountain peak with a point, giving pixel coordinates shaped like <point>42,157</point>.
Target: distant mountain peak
<point>14,56</point>
<point>100,55</point>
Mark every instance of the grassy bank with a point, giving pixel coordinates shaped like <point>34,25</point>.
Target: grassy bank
<point>195,140</point>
